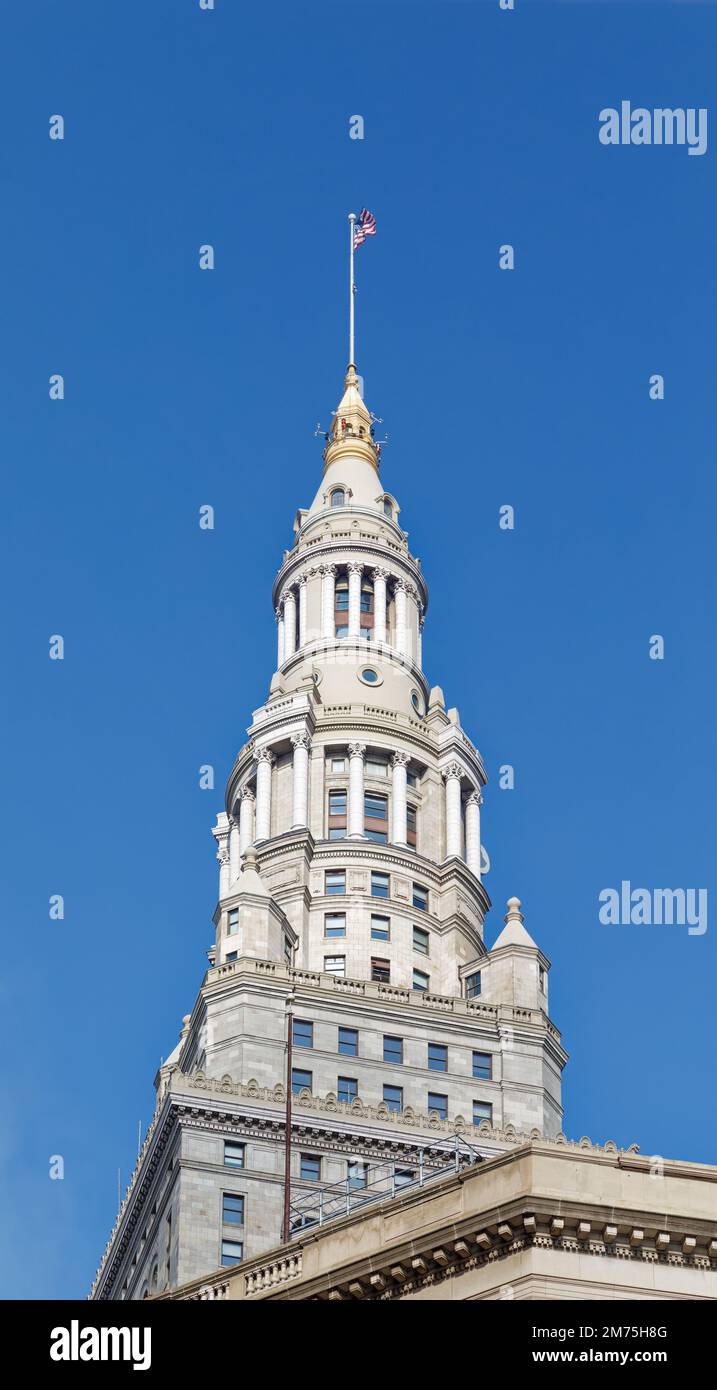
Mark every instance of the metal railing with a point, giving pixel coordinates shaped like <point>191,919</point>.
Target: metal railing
<point>378,1182</point>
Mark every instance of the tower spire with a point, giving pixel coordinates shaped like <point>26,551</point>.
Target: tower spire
<point>352,291</point>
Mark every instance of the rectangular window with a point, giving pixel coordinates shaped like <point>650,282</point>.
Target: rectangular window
<point>421,941</point>
<point>233,1154</point>
<point>341,599</point>
<point>338,764</point>
<point>473,986</point>
<point>393,1098</point>
<point>380,970</point>
<point>233,921</point>
<point>439,1104</point>
<point>347,1089</point>
<point>403,1177</point>
<point>335,965</point>
<point>348,1042</point>
<point>380,927</point>
<point>376,817</point>
<point>483,1066</point>
<point>288,950</point>
<point>310,1167</point>
<point>338,802</point>
<point>411,823</point>
<point>334,924</point>
<point>542,982</point>
<point>232,1252</point>
<point>300,1080</point>
<point>420,897</point>
<point>232,955</point>
<point>335,881</point>
<point>437,1057</point>
<point>366,601</point>
<point>420,980</point>
<point>411,779</point>
<point>380,885</point>
<point>393,1050</point>
<point>482,1110</point>
<point>357,1174</point>
<point>375,767</point>
<point>303,1033</point>
<point>232,1209</point>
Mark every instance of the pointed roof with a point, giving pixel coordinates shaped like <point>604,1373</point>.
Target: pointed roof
<point>351,408</point>
<point>514,933</point>
<point>249,880</point>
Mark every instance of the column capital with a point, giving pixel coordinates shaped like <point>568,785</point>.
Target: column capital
<point>475,798</point>
<point>223,854</point>
<point>400,759</point>
<point>301,740</point>
<point>247,794</point>
<point>279,612</point>
<point>357,750</point>
<point>302,580</point>
<point>327,569</point>
<point>355,567</point>
<point>264,755</point>
<point>381,573</point>
<point>452,770</point>
<point>403,584</point>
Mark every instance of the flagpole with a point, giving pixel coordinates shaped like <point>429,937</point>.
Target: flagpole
<point>352,219</point>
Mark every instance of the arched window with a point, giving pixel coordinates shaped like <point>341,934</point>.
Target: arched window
<point>388,508</point>
<point>338,497</point>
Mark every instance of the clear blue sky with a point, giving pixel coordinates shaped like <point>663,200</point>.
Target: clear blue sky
<point>182,388</point>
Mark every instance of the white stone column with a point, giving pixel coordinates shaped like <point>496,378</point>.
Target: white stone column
<point>303,609</point>
<point>380,577</point>
<point>234,855</point>
<point>355,572</point>
<point>355,806</point>
<point>452,777</point>
<point>301,744</point>
<point>399,827</point>
<point>264,761</point>
<point>328,579</point>
<point>401,633</point>
<point>221,834</point>
<point>280,637</point>
<point>289,624</point>
<point>473,805</point>
<point>247,806</point>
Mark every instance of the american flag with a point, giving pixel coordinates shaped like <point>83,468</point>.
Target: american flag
<point>366,226</point>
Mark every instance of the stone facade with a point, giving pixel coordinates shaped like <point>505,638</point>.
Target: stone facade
<point>541,1221</point>
<point>350,911</point>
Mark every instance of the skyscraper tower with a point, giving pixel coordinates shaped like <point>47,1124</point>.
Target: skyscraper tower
<point>349,923</point>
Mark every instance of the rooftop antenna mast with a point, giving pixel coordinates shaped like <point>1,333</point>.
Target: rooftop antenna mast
<point>352,288</point>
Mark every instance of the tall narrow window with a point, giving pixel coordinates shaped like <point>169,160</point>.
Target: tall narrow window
<point>473,985</point>
<point>303,1033</point>
<point>233,1154</point>
<point>380,885</point>
<point>335,881</point>
<point>357,1174</point>
<point>420,897</point>
<point>421,941</point>
<point>393,1050</point>
<point>334,924</point>
<point>483,1066</point>
<point>310,1167</point>
<point>232,1209</point>
<point>438,1103</point>
<point>348,1042</point>
<point>338,802</point>
<point>347,1089</point>
<point>482,1110</point>
<point>381,971</point>
<point>338,497</point>
<point>380,927</point>
<point>300,1080</point>
<point>376,817</point>
<point>437,1057</point>
<point>393,1098</point>
<point>411,824</point>
<point>421,981</point>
